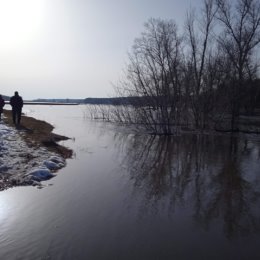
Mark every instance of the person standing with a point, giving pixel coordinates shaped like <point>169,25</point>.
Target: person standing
<point>16,102</point>
<point>2,104</point>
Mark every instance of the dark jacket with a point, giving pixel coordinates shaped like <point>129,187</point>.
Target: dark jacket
<point>2,103</point>
<point>16,102</point>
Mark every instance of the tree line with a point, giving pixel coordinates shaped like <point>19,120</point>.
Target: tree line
<point>202,77</point>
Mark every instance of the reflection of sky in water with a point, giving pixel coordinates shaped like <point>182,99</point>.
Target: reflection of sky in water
<point>126,196</point>
<point>4,210</point>
<point>251,168</point>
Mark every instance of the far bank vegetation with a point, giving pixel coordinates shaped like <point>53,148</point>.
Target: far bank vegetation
<point>204,77</point>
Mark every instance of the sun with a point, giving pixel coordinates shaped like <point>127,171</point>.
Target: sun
<point>20,22</point>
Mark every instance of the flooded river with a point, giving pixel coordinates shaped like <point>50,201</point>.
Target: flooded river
<point>128,196</point>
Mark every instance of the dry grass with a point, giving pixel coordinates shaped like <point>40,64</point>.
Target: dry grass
<point>37,132</point>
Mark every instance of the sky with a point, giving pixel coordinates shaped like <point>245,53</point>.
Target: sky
<point>73,48</point>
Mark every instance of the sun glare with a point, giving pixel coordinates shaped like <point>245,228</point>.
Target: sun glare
<point>20,22</point>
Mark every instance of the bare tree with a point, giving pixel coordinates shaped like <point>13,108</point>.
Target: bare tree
<point>241,22</point>
<point>200,57</point>
<point>154,76</point>
<point>198,84</point>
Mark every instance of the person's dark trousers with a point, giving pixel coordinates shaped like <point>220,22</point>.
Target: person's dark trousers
<point>16,115</point>
<point>19,114</point>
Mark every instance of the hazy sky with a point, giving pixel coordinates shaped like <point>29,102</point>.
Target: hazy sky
<point>73,48</point>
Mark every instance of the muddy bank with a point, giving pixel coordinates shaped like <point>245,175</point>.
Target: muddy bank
<point>36,132</point>
<point>29,153</point>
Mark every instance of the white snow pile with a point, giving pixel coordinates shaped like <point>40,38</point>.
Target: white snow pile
<point>44,172</point>
<point>21,164</point>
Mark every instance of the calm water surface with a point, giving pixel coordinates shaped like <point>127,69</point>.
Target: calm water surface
<point>127,196</point>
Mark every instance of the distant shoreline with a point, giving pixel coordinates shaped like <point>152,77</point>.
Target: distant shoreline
<point>47,103</point>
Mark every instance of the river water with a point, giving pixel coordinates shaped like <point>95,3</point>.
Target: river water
<point>129,196</point>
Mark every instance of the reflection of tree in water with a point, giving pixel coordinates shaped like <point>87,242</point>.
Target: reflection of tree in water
<point>234,198</point>
<point>202,171</point>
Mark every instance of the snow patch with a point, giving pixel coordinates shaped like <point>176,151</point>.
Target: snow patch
<point>22,164</point>
<point>51,165</point>
<point>54,163</point>
<point>58,160</point>
<point>40,174</point>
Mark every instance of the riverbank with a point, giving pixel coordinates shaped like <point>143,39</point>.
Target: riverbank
<point>29,152</point>
<point>37,132</point>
